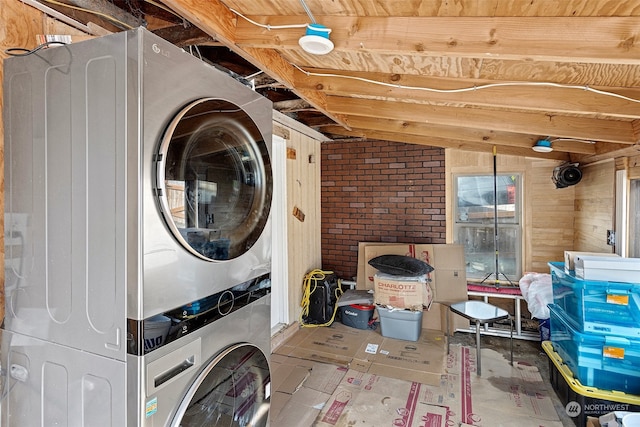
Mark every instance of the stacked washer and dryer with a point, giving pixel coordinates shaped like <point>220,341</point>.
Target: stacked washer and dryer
<point>138,188</point>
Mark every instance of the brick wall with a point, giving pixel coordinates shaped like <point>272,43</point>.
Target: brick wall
<point>379,191</point>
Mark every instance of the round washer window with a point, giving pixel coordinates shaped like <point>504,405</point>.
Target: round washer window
<point>233,390</point>
<point>214,179</point>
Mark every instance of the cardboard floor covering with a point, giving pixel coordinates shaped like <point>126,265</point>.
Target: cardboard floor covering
<point>312,393</point>
<point>505,395</point>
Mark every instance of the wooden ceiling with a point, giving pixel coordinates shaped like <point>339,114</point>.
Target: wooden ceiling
<point>467,74</point>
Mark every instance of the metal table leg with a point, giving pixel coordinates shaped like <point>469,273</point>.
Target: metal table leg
<point>448,333</point>
<point>478,362</point>
<point>511,337</point>
<point>482,313</point>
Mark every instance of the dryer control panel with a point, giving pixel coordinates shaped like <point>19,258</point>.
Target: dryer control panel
<point>149,334</point>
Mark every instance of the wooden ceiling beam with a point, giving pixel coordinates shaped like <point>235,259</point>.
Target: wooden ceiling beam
<point>217,20</point>
<point>525,96</point>
<point>581,39</point>
<point>542,8</point>
<point>489,69</point>
<point>607,152</point>
<point>448,132</point>
<point>518,122</point>
<point>445,143</point>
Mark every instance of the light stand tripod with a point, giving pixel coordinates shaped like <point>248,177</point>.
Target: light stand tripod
<point>496,272</point>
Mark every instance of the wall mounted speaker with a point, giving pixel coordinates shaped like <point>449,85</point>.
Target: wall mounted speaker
<point>566,175</point>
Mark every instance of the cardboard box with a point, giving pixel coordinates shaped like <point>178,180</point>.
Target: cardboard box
<point>422,361</point>
<point>432,318</point>
<point>446,258</point>
<point>609,269</point>
<point>365,350</point>
<point>336,344</point>
<point>436,318</point>
<point>569,258</point>
<point>448,281</point>
<point>593,422</point>
<point>402,292</point>
<point>450,286</point>
<point>422,252</point>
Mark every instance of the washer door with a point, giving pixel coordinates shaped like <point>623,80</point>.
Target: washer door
<point>214,179</point>
<point>233,390</point>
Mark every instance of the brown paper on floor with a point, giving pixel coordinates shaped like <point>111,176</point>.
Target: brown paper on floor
<point>503,396</point>
<point>301,388</point>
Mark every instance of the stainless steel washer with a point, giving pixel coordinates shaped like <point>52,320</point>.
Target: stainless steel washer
<point>138,191</point>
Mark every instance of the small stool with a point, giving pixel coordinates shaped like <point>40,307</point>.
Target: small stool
<point>481,313</point>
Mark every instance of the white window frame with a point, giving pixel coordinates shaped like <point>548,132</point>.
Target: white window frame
<point>512,277</point>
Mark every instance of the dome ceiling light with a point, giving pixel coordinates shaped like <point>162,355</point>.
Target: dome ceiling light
<point>316,39</point>
<point>542,146</point>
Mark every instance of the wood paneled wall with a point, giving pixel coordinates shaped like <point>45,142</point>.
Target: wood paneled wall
<point>549,217</point>
<point>303,209</point>
<point>595,207</point>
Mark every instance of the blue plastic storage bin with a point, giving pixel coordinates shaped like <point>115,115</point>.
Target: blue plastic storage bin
<point>599,307</point>
<point>605,362</point>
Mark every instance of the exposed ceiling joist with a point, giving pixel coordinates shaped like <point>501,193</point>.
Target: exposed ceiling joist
<point>610,40</point>
<point>217,20</point>
<point>462,74</point>
<point>469,135</point>
<point>446,143</point>
<point>522,95</point>
<point>507,121</point>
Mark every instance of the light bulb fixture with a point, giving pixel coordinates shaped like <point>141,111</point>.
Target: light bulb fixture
<point>542,146</point>
<point>316,40</point>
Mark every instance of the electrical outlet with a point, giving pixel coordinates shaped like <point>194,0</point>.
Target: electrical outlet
<point>611,237</point>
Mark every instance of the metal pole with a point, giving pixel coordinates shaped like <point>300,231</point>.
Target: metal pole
<point>495,225</point>
<point>495,213</point>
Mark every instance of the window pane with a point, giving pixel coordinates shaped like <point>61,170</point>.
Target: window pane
<point>474,225</point>
<point>476,195</point>
<point>480,254</point>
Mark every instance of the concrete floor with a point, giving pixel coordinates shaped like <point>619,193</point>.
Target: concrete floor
<point>523,350</point>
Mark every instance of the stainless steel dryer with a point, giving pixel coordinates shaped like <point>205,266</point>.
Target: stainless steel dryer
<point>138,239</point>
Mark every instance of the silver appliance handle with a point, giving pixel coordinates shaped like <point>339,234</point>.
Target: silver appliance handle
<point>174,365</point>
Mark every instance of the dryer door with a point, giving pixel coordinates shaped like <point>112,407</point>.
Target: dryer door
<point>214,179</point>
<point>233,390</point>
